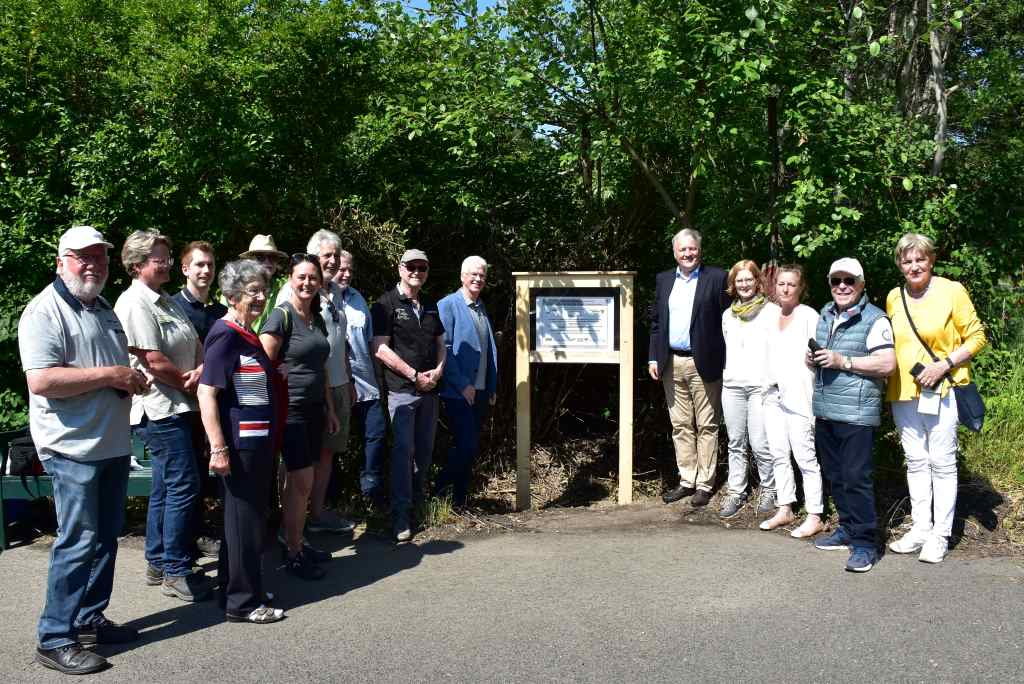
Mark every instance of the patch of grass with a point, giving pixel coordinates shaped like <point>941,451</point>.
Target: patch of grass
<point>997,452</point>
<point>436,511</point>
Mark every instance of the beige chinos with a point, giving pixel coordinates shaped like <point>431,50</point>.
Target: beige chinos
<point>694,408</point>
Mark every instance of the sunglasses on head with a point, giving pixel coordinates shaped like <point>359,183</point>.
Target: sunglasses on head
<point>849,281</point>
<point>416,268</point>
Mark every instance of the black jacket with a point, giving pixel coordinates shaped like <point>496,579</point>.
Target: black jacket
<point>706,338</point>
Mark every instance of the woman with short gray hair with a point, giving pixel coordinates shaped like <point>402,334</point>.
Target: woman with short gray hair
<point>163,344</point>
<point>237,401</point>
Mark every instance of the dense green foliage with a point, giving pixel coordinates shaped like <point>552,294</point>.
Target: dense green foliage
<point>542,134</point>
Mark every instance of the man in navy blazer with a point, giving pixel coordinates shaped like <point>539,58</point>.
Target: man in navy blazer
<point>469,383</point>
<point>687,354</point>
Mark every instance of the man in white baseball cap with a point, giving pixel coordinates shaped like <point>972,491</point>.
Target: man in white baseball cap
<point>855,354</point>
<point>75,355</point>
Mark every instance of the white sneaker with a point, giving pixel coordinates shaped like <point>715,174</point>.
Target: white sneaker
<point>911,542</point>
<point>934,549</point>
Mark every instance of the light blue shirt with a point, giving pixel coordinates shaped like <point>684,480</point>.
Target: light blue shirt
<point>360,334</point>
<point>680,309</point>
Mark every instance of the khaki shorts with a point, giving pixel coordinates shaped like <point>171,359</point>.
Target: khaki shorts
<point>338,442</point>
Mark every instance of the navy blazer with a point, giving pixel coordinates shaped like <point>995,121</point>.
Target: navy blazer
<point>706,339</point>
<point>462,345</point>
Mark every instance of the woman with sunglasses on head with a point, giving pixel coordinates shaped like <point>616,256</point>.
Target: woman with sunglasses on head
<point>930,359</point>
<point>165,346</point>
<point>789,419</point>
<point>745,328</point>
<point>237,400</point>
<point>295,338</point>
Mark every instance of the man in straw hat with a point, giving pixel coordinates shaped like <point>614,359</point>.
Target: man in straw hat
<point>263,250</point>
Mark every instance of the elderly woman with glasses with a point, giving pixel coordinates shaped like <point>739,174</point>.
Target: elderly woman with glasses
<point>237,402</point>
<point>164,345</point>
<point>295,338</point>
<point>937,332</point>
<point>745,327</point>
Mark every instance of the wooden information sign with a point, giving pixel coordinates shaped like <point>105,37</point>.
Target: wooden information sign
<point>574,317</point>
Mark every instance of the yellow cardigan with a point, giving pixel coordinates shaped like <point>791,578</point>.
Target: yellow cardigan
<point>946,319</point>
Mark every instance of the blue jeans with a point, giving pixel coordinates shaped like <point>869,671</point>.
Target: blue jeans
<point>89,499</point>
<point>174,493</point>
<point>413,424</point>
<point>371,423</point>
<point>464,422</point>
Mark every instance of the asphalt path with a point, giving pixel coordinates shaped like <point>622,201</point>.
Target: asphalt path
<point>571,596</point>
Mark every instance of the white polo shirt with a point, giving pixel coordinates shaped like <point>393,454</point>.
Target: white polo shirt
<point>56,330</point>
<point>153,321</point>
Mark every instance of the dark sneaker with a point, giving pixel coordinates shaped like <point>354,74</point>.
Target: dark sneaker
<point>678,493</point>
<point>331,522</point>
<point>766,501</point>
<point>316,555</point>
<point>103,631</point>
<point>731,505</point>
<point>190,588</point>
<point>700,498</point>
<point>154,575</point>
<point>302,566</point>
<point>862,559</point>
<point>208,547</point>
<point>837,541</point>
<point>71,659</point>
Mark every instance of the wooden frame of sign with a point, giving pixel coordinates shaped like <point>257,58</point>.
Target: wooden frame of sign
<point>570,328</point>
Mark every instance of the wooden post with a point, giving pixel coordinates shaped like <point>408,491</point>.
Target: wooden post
<point>626,391</point>
<point>523,500</point>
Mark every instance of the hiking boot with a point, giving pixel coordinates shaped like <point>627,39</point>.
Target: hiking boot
<point>731,505</point>
<point>861,559</point>
<point>302,566</point>
<point>934,549</point>
<point>189,588</point>
<point>911,542</point>
<point>154,575</point>
<point>837,541</point>
<point>700,498</point>
<point>103,631</point>
<point>766,501</point>
<point>329,521</point>
<point>70,659</point>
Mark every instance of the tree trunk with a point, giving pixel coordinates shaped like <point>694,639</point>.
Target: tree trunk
<point>939,87</point>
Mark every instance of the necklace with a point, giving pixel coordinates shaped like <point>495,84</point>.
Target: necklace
<point>922,293</point>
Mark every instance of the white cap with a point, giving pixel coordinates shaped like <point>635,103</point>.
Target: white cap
<point>80,237</point>
<point>847,265</point>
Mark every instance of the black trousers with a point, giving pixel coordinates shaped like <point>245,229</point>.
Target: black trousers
<point>845,452</point>
<point>246,492</point>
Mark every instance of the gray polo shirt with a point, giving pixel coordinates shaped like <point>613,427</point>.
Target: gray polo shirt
<point>56,330</point>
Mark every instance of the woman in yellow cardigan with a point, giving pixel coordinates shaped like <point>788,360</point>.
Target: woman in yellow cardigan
<point>923,404</point>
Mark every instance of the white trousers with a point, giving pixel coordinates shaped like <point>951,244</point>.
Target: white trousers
<point>790,432</point>
<point>743,408</point>
<point>930,446</point>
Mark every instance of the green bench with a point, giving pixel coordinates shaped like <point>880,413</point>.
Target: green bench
<point>12,487</point>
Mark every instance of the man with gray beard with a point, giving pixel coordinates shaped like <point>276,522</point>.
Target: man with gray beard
<point>75,355</point>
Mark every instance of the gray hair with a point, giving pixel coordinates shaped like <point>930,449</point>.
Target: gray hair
<point>910,241</point>
<point>690,233</point>
<point>237,274</point>
<point>320,237</point>
<point>472,261</point>
<point>139,245</point>
<point>345,254</point>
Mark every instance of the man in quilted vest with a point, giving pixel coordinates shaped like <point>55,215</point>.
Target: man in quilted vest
<point>855,354</point>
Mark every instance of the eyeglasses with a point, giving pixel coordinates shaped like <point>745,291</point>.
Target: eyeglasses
<point>255,292</point>
<point>849,281</point>
<point>416,268</point>
<point>169,261</point>
<point>87,260</point>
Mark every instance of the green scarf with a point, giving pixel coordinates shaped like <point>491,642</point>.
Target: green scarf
<point>749,310</point>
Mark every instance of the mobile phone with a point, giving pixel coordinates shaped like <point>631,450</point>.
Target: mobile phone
<point>917,369</point>
<point>813,345</point>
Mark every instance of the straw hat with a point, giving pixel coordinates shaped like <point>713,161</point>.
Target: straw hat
<point>263,244</point>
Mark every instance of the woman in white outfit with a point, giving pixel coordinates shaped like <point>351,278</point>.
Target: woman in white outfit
<point>745,328</point>
<point>788,415</point>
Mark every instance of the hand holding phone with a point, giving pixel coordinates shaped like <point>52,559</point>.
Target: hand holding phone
<point>813,345</point>
<point>917,369</point>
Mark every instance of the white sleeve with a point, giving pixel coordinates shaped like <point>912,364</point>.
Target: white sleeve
<point>880,335</point>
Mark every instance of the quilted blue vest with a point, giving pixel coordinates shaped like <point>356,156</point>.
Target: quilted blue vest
<point>840,395</point>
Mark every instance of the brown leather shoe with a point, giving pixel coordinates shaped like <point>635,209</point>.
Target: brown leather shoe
<point>701,498</point>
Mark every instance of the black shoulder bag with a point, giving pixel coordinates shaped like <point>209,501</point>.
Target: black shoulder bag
<point>969,405</point>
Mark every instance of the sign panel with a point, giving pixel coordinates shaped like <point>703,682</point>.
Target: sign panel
<point>575,323</point>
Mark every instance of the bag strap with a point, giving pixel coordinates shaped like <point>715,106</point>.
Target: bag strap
<point>906,309</point>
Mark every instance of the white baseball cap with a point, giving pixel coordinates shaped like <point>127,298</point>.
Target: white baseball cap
<point>847,265</point>
<point>80,237</point>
